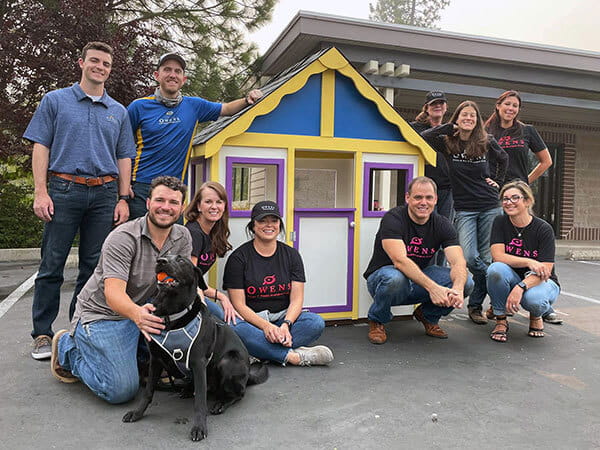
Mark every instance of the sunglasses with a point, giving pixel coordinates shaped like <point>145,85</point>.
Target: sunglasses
<point>512,199</point>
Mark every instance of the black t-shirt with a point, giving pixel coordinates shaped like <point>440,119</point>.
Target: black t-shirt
<point>439,173</point>
<point>266,281</point>
<point>517,141</point>
<point>536,241</point>
<point>467,175</point>
<point>201,245</point>
<point>421,241</point>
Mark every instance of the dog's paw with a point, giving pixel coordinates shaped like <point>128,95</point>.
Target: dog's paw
<point>198,433</point>
<point>217,408</point>
<point>132,416</point>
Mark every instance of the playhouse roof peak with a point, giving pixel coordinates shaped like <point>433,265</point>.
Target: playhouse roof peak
<point>290,81</point>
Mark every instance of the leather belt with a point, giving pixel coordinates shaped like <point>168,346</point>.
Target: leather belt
<point>98,181</point>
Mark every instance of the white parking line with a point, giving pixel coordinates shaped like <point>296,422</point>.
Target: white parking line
<point>16,295</point>
<point>580,297</point>
<point>589,262</point>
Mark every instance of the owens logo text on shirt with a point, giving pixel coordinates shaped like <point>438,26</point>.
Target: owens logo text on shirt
<point>416,249</point>
<point>269,288</point>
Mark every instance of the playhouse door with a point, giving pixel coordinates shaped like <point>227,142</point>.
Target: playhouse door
<point>325,241</point>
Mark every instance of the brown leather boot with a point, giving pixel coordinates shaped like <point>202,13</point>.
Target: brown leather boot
<point>377,333</point>
<point>431,329</point>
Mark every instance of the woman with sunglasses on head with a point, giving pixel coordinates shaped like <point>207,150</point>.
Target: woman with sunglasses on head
<point>208,222</point>
<point>265,281</point>
<point>477,166</point>
<point>518,139</point>
<point>522,274</point>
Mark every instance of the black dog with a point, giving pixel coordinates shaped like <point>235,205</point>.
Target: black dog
<point>218,359</point>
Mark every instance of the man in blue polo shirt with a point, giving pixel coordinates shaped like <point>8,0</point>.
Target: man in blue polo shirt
<point>164,125</point>
<point>82,151</point>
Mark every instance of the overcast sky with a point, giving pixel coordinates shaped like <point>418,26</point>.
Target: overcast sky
<point>572,23</point>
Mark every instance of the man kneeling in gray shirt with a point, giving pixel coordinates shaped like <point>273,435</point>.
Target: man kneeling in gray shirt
<point>112,308</point>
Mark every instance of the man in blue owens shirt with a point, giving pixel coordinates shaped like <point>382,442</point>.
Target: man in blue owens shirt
<point>82,151</point>
<point>164,125</point>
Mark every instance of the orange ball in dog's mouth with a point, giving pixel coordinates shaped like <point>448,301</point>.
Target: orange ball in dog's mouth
<point>163,277</point>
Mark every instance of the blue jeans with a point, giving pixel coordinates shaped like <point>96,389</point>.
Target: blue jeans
<point>390,287</point>
<point>307,328</point>
<point>474,229</point>
<point>215,309</point>
<point>444,207</point>
<point>103,355</point>
<point>137,204</point>
<point>538,300</point>
<point>77,207</point>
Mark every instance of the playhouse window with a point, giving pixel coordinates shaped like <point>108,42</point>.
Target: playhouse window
<point>251,180</point>
<point>384,187</point>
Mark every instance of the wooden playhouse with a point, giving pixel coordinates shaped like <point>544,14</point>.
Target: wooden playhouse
<point>327,147</point>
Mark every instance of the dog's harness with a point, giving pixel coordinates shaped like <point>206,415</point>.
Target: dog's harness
<point>177,343</point>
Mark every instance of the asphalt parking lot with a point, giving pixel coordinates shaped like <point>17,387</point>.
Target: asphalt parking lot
<point>413,392</point>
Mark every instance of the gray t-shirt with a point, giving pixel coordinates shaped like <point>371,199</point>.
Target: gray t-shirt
<point>129,255</point>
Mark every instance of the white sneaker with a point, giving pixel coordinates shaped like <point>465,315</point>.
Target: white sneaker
<point>319,355</point>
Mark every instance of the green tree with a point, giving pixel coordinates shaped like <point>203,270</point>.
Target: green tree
<point>40,42</point>
<point>419,13</point>
<point>211,34</point>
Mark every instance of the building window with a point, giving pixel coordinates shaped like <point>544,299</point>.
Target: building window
<point>251,180</point>
<point>384,187</point>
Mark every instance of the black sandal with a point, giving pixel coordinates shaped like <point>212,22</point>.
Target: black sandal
<point>533,330</point>
<point>500,322</point>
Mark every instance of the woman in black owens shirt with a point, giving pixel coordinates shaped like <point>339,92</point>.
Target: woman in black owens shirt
<point>208,222</point>
<point>477,166</point>
<point>518,139</point>
<point>265,281</point>
<point>523,270</point>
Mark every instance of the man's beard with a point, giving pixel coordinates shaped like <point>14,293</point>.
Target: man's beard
<point>152,219</point>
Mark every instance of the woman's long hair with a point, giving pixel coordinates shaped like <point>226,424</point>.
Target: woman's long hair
<point>492,125</point>
<point>423,116</point>
<point>219,234</point>
<point>476,145</point>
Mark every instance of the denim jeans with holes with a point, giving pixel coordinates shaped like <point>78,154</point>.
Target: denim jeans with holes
<point>538,300</point>
<point>474,229</point>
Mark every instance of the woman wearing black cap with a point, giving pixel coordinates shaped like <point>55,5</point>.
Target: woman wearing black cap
<point>431,115</point>
<point>265,281</point>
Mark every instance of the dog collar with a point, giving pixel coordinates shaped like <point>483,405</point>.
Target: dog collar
<point>178,315</point>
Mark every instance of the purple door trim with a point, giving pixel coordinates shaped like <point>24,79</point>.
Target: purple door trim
<point>323,212</point>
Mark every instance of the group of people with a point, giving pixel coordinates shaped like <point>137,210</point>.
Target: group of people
<point>125,197</point>
<point>91,174</point>
<point>508,251</point>
<point>97,165</point>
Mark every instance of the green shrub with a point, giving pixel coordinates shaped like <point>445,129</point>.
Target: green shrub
<point>19,226</point>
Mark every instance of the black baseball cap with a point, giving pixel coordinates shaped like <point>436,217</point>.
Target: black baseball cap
<point>264,209</point>
<point>174,56</point>
<point>435,96</point>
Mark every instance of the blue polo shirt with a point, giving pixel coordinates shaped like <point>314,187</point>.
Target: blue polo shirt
<point>164,135</point>
<point>85,137</point>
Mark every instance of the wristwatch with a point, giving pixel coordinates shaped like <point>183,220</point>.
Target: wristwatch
<point>522,285</point>
<point>289,323</point>
<point>124,197</point>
